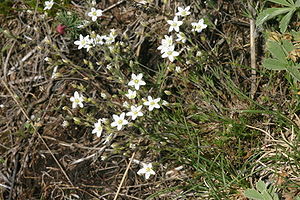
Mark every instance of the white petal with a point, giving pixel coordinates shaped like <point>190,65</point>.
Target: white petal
<point>122,116</point>
<point>74,105</point>
<point>119,127</point>
<point>147,175</point>
<point>113,124</point>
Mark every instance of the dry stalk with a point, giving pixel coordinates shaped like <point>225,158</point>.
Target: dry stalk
<point>252,49</point>
<point>125,174</point>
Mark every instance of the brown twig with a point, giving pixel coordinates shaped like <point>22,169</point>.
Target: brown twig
<point>114,5</point>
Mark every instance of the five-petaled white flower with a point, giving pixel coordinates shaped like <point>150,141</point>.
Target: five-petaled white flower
<point>48,5</point>
<point>119,121</point>
<point>174,24</point>
<point>98,128</point>
<point>183,12</point>
<point>94,14</point>
<point>147,170</point>
<point>136,81</point>
<point>135,112</point>
<point>131,94</point>
<point>77,99</point>
<point>199,26</point>
<point>181,37</point>
<point>170,53</point>
<point>165,43</point>
<point>152,103</point>
<point>83,42</point>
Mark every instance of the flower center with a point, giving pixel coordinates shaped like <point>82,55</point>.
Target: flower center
<point>120,121</point>
<point>170,53</point>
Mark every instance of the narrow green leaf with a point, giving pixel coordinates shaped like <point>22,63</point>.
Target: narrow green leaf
<point>274,64</point>
<point>253,194</point>
<point>276,50</point>
<point>294,72</point>
<point>286,20</point>
<point>297,4</point>
<point>261,186</point>
<point>282,2</point>
<point>270,13</point>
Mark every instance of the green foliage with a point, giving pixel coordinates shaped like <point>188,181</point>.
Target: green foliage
<point>262,192</point>
<point>281,50</point>
<point>288,9</point>
<point>5,7</point>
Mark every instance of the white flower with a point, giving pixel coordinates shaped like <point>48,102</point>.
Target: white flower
<point>183,12</point>
<point>199,26</point>
<point>181,37</point>
<point>152,103</point>
<point>131,94</point>
<point>136,81</point>
<point>99,39</point>
<point>147,170</point>
<point>170,53</point>
<point>126,104</point>
<point>83,42</point>
<point>165,43</point>
<point>135,112</point>
<point>109,39</point>
<point>174,24</point>
<point>113,33</point>
<point>48,5</point>
<point>98,128</point>
<point>77,99</point>
<point>94,14</point>
<point>119,121</point>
